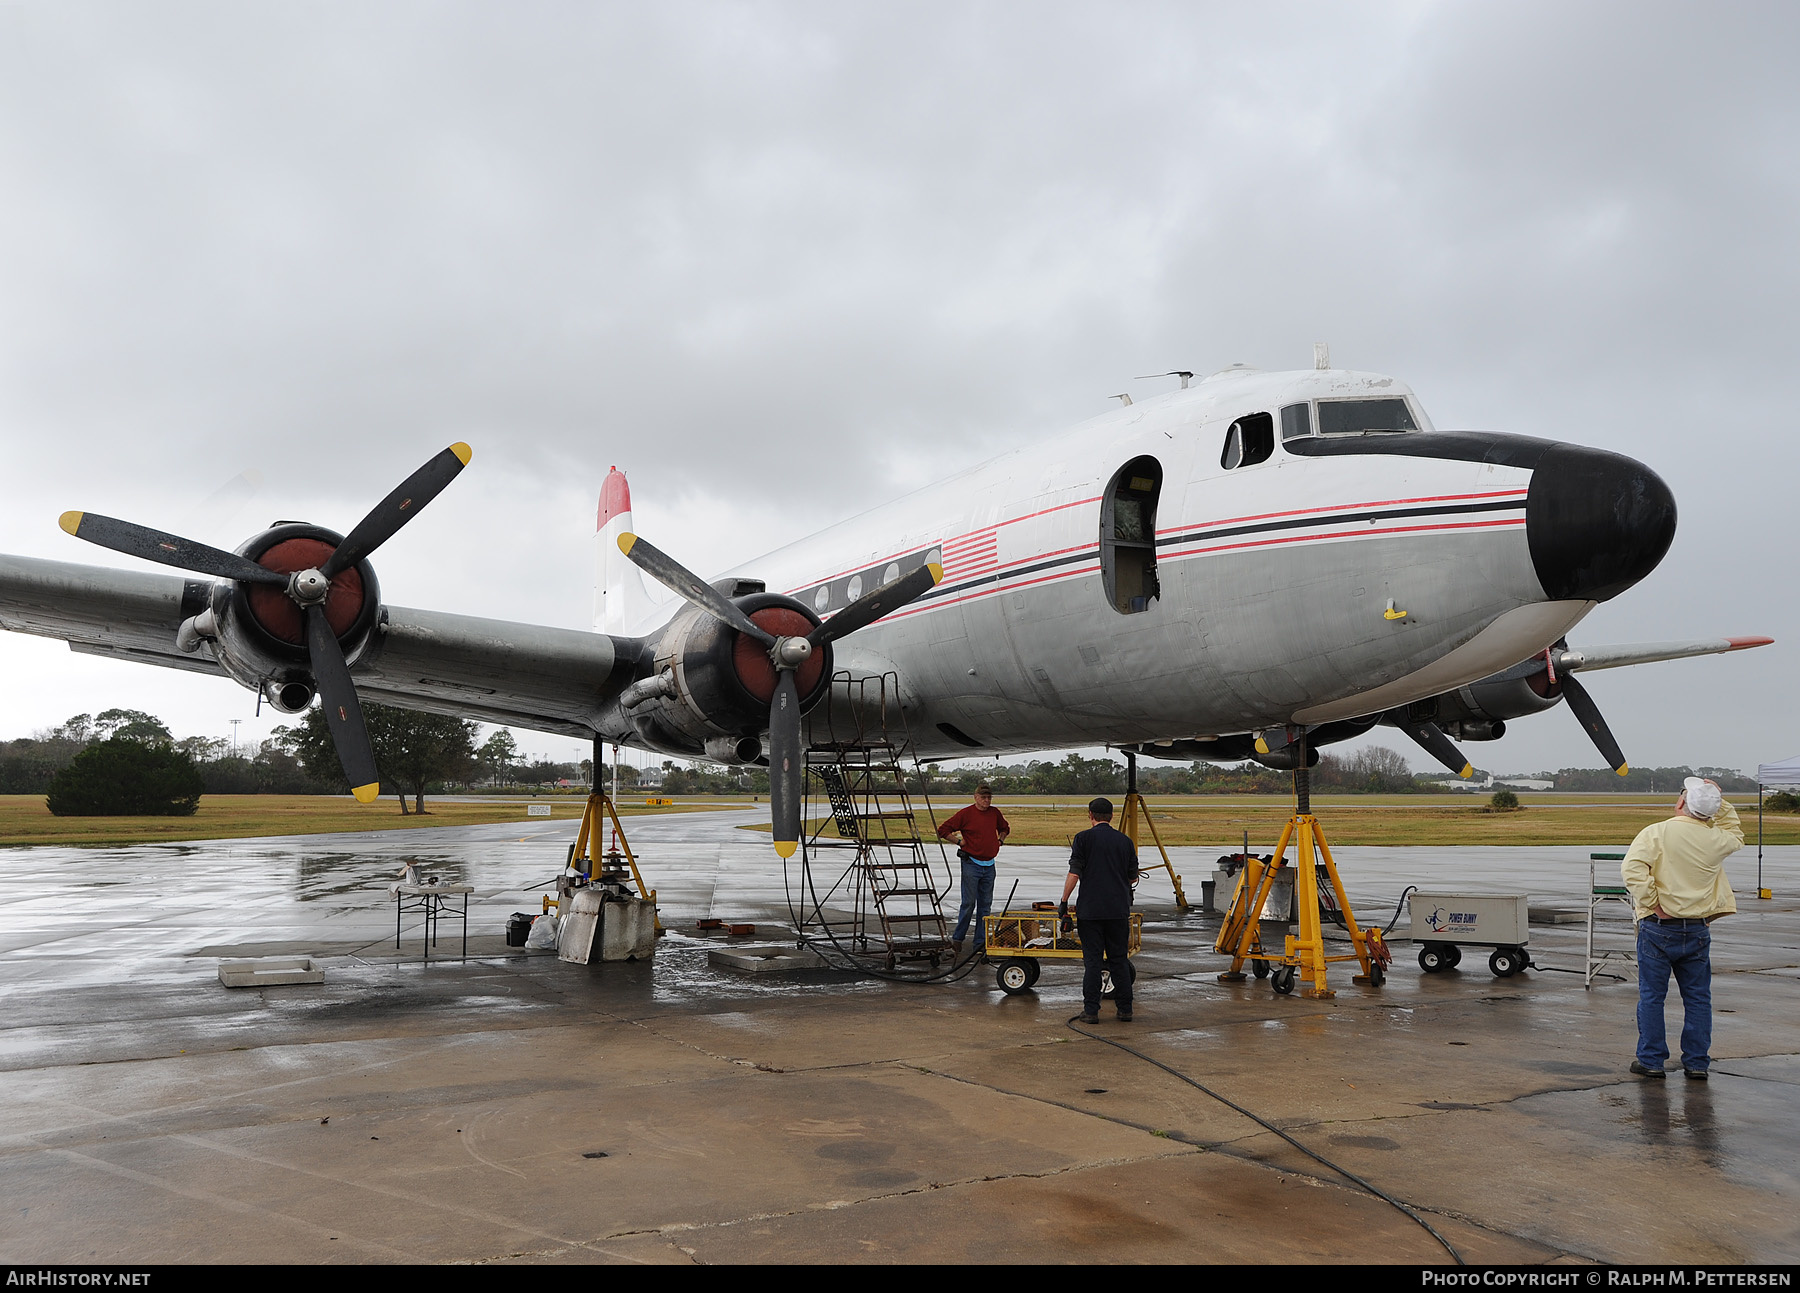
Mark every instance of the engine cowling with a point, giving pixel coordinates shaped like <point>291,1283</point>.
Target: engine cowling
<point>258,633</point>
<point>1478,712</point>
<point>707,687</point>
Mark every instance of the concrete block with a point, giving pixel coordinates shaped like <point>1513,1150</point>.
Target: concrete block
<point>764,960</point>
<point>270,971</point>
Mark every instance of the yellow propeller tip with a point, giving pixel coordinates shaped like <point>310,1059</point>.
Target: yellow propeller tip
<point>1468,770</point>
<point>462,452</point>
<point>625,541</point>
<point>1262,746</point>
<point>785,848</point>
<point>937,572</point>
<point>70,521</point>
<point>1622,769</point>
<point>366,794</point>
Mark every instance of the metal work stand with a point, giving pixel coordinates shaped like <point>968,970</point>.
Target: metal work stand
<point>430,899</point>
<point>1241,935</point>
<point>1134,805</point>
<point>1597,894</point>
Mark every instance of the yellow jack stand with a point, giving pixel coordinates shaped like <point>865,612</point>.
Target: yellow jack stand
<point>593,820</point>
<point>1241,935</point>
<point>1128,824</point>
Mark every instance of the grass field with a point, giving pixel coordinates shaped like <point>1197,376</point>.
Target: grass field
<point>1206,821</point>
<point>1220,821</point>
<point>25,820</point>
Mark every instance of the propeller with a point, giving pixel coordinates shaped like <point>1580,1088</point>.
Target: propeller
<point>1431,737</point>
<point>307,588</point>
<point>1581,703</point>
<point>786,759</point>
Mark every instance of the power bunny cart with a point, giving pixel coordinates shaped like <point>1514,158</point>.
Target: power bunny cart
<point>1445,923</point>
<point>1018,942</point>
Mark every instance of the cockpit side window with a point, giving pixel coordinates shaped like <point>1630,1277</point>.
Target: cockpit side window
<point>1250,440</point>
<point>1296,420</point>
<point>1358,417</point>
<point>1128,536</point>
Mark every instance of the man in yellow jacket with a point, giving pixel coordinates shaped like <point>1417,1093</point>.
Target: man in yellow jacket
<point>1675,871</point>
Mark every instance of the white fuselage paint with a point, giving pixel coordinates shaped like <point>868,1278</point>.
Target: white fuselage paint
<point>1275,579</point>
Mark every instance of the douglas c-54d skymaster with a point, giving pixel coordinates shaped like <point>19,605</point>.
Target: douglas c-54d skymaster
<point>1249,567</point>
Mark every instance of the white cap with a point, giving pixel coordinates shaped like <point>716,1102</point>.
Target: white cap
<point>1703,798</point>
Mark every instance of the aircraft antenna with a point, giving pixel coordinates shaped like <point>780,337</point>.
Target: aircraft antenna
<point>1121,397</point>
<point>1184,374</point>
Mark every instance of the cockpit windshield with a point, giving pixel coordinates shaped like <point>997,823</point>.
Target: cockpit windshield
<point>1354,417</point>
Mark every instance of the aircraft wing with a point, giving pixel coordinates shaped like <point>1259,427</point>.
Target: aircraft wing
<point>1614,657</point>
<point>528,675</point>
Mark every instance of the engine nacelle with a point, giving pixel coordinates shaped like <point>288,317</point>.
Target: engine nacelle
<point>1479,711</point>
<point>707,687</point>
<point>258,633</point>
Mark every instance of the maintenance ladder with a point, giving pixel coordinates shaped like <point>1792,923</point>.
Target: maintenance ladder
<point>895,903</point>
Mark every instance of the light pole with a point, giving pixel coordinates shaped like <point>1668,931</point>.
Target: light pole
<point>234,736</point>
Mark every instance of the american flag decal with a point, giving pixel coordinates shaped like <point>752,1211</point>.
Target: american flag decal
<point>974,555</point>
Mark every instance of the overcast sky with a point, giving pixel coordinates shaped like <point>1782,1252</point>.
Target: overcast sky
<point>784,261</point>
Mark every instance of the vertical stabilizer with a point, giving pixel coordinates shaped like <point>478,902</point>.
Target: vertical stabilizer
<point>622,604</point>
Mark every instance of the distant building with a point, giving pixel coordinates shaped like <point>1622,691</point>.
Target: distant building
<point>1457,783</point>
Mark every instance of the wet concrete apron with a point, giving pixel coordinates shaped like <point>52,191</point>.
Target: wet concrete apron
<point>513,1108</point>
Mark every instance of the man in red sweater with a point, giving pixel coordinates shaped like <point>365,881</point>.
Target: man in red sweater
<point>977,831</point>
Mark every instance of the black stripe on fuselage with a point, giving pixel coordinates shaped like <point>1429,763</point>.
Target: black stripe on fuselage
<point>1201,533</point>
<point>1494,447</point>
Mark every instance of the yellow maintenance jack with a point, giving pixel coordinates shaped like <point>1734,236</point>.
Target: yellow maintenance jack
<point>594,817</point>
<point>1128,823</point>
<point>1304,955</point>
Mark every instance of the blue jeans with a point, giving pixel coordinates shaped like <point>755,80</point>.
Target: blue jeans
<point>977,899</point>
<point>1686,952</point>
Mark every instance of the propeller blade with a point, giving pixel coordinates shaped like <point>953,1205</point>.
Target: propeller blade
<point>871,606</point>
<point>342,712</point>
<point>676,577</point>
<point>1437,745</point>
<point>386,517</point>
<point>786,765</point>
<point>169,549</point>
<point>1584,708</point>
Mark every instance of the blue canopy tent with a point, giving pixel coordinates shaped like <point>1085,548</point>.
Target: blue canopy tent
<point>1785,773</point>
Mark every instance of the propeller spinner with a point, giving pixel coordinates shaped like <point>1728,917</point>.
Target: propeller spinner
<point>787,654</point>
<point>308,589</point>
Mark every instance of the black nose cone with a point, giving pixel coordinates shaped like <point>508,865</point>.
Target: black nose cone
<point>1596,522</point>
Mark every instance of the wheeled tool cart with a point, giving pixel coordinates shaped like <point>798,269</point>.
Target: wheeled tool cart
<point>1018,942</point>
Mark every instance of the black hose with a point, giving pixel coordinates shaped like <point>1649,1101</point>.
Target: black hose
<point>1269,1126</point>
<point>958,969</point>
<point>1389,927</point>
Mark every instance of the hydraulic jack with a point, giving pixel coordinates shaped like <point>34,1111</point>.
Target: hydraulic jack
<point>1304,955</point>
<point>1128,825</point>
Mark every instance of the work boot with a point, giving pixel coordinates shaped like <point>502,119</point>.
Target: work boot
<point>956,948</point>
<point>1089,1017</point>
<point>1641,1071</point>
<point>1124,1016</point>
<point>1697,1075</point>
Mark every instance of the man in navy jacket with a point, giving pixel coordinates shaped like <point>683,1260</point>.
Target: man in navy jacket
<point>1105,864</point>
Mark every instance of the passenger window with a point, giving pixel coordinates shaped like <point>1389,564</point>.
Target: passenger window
<point>1296,420</point>
<point>1128,536</point>
<point>1250,440</point>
